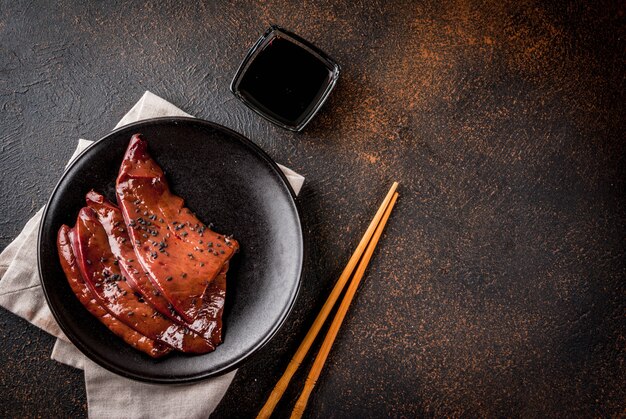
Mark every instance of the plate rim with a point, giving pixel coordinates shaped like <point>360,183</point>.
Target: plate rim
<point>84,349</point>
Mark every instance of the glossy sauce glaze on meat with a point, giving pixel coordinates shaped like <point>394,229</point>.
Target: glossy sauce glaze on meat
<point>149,270</point>
<point>188,255</point>
<point>206,324</point>
<point>110,287</point>
<point>80,289</point>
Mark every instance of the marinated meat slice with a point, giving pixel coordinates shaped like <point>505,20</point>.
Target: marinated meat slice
<point>111,218</point>
<point>74,278</point>
<point>213,306</point>
<point>193,254</point>
<point>102,275</point>
<point>207,323</point>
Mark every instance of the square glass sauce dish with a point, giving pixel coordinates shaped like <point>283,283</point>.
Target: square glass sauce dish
<point>285,79</point>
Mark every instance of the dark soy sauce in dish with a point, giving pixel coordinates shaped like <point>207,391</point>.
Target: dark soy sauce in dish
<point>285,81</point>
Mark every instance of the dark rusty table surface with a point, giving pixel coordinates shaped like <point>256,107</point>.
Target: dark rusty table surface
<point>499,286</point>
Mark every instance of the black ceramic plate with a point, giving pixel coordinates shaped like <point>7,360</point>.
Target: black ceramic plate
<point>225,179</point>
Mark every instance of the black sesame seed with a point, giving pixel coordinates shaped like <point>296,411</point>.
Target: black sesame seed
<point>169,278</point>
<point>131,260</point>
<point>184,275</point>
<point>115,262</point>
<point>222,252</point>
<point>184,234</point>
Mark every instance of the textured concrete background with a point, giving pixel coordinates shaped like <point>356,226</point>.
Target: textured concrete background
<point>499,288</point>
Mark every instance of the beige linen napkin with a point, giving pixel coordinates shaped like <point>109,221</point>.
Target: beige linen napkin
<point>108,395</point>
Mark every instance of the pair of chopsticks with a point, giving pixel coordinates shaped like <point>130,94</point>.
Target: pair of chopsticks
<point>365,249</point>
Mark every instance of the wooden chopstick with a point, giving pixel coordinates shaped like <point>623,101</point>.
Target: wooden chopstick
<point>304,347</point>
<point>314,374</point>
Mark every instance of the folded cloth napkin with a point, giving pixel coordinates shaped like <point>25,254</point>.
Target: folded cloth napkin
<point>108,394</point>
